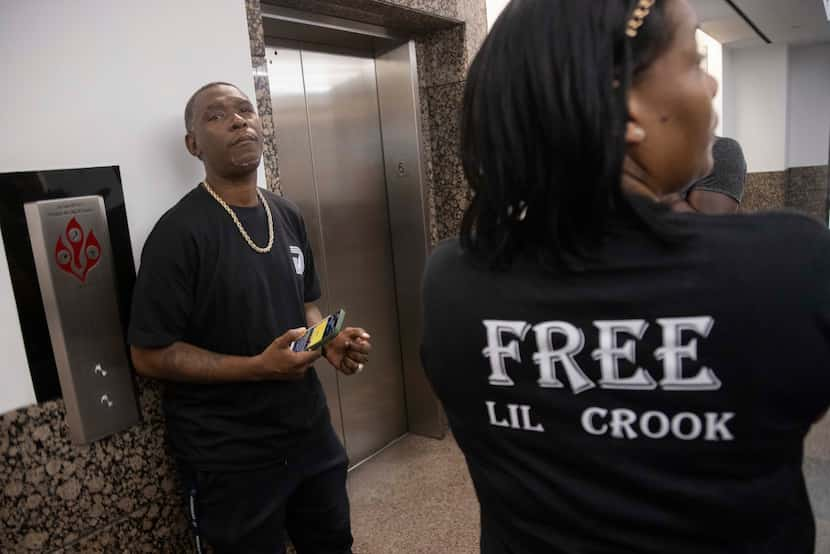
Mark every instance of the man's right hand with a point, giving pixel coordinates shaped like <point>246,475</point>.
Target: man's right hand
<point>279,362</point>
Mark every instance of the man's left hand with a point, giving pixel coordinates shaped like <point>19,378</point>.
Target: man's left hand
<point>349,351</point>
<point>678,204</point>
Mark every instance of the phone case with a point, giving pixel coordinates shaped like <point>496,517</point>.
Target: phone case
<point>321,333</point>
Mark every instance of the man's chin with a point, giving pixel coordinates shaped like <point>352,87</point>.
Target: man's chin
<point>235,171</point>
<point>246,164</point>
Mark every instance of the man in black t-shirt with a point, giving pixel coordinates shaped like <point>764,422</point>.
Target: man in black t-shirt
<point>224,272</point>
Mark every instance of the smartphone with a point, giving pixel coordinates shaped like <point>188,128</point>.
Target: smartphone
<point>321,333</point>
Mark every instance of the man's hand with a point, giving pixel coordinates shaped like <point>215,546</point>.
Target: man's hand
<point>349,351</point>
<point>678,204</point>
<point>703,202</point>
<point>279,362</point>
<point>712,203</point>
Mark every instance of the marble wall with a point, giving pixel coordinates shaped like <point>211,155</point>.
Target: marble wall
<point>121,494</point>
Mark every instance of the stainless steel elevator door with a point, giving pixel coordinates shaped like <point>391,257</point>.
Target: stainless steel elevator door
<point>331,164</point>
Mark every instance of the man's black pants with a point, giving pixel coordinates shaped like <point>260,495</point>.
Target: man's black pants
<point>252,511</point>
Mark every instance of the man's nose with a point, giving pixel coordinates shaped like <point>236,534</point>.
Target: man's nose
<point>238,122</point>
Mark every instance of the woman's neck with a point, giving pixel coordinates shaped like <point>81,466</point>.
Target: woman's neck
<point>635,180</point>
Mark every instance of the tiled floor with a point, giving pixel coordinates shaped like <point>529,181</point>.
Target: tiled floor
<point>417,497</point>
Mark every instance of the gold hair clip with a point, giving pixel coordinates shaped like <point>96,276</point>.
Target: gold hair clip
<point>638,17</point>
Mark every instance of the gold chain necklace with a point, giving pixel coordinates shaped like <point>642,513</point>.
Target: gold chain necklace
<point>239,226</point>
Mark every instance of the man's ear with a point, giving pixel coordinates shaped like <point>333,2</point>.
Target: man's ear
<point>192,147</point>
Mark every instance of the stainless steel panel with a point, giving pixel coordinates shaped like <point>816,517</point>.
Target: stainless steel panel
<point>399,106</point>
<point>297,181</point>
<point>73,256</point>
<point>341,95</point>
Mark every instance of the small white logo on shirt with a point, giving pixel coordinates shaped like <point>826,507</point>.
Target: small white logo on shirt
<point>298,259</point>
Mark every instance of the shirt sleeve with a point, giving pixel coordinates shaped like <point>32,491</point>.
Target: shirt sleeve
<point>311,285</point>
<point>164,289</point>
<point>729,174</point>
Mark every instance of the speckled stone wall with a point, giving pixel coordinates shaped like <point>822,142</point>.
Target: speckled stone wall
<point>807,191</point>
<point>765,191</point>
<point>259,66</point>
<point>443,59</point>
<point>803,189</point>
<point>121,494</point>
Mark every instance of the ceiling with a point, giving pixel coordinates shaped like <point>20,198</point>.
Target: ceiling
<point>782,21</point>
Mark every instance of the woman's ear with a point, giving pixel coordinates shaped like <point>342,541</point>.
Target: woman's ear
<point>635,133</point>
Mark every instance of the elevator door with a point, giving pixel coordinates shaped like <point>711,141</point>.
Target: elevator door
<point>325,109</point>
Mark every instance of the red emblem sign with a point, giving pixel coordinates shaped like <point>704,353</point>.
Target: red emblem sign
<point>77,253</point>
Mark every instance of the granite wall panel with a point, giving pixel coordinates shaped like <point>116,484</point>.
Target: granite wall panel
<point>807,191</point>
<point>765,191</point>
<point>449,190</point>
<point>270,157</point>
<point>803,189</point>
<point>56,493</point>
<point>410,16</point>
<point>441,57</point>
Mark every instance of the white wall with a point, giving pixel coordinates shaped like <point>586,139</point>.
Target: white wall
<point>728,94</point>
<point>809,105</point>
<point>103,82</point>
<point>777,104</point>
<point>755,105</point>
<point>713,63</point>
<point>494,9</point>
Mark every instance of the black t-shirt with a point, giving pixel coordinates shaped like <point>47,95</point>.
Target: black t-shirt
<point>656,403</point>
<point>201,283</point>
